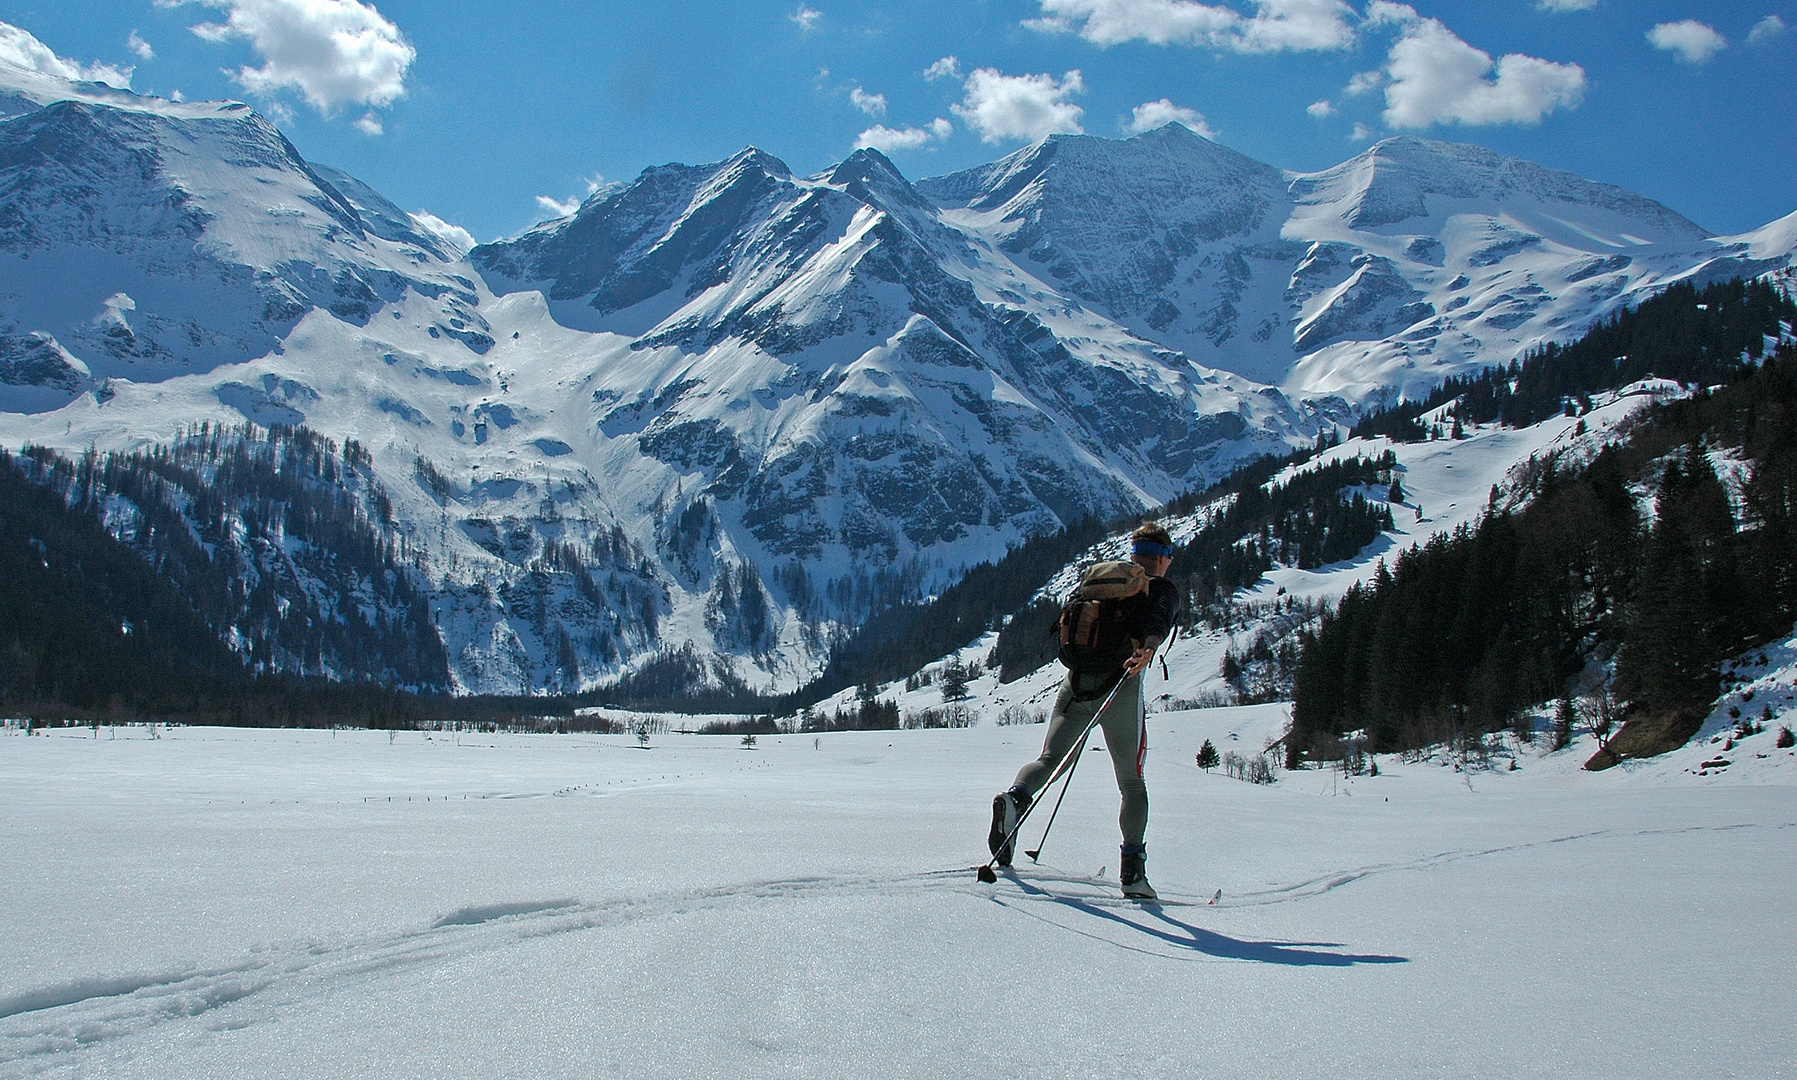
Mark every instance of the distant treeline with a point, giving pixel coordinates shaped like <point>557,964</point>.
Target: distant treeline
<point>84,621</point>
<point>227,515</point>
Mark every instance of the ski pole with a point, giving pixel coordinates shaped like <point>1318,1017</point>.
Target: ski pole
<point>986,873</point>
<point>1035,856</point>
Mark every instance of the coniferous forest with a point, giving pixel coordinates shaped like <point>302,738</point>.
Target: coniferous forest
<point>1642,557</point>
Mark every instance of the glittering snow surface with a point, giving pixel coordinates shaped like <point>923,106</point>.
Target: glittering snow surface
<point>228,903</point>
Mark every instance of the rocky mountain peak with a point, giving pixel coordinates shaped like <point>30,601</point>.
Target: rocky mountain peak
<point>635,243</point>
<point>871,177</point>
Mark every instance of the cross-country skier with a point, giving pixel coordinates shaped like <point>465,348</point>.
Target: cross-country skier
<point>1144,619</point>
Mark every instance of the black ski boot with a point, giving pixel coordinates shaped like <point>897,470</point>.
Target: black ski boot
<point>1133,873</point>
<point>1007,808</point>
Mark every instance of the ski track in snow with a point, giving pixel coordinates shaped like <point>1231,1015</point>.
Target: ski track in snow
<point>39,1025</point>
<point>1324,883</point>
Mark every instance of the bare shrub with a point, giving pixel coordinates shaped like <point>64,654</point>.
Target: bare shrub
<point>1207,699</point>
<point>1018,714</point>
<point>1255,769</point>
<point>1600,711</point>
<point>948,716</point>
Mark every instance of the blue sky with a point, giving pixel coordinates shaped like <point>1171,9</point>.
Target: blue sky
<point>488,114</point>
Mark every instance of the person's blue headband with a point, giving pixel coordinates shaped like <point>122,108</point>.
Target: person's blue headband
<point>1149,547</point>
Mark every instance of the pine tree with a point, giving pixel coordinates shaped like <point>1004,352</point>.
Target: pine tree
<point>954,681</point>
<point>1208,758</point>
<point>1564,716</point>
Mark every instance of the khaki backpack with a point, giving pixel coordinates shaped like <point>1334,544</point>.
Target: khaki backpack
<point>1094,627</point>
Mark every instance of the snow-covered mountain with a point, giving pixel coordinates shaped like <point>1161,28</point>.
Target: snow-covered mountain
<point>144,244</point>
<point>1407,263</point>
<point>731,408</point>
<point>857,380</point>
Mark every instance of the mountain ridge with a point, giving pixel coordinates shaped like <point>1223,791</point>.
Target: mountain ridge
<point>756,407</point>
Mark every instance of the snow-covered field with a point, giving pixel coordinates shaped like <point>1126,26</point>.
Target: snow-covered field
<point>224,903</point>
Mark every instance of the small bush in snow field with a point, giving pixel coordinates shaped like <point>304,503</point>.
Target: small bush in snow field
<point>949,716</point>
<point>1207,699</point>
<point>1255,770</point>
<point>1017,714</point>
<point>1786,739</point>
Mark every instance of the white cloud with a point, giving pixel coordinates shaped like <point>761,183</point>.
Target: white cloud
<point>453,235</point>
<point>1153,114</point>
<point>1027,107</point>
<point>370,124</point>
<point>1361,133</point>
<point>20,49</point>
<point>334,52</point>
<point>1364,81</point>
<point>1275,26</point>
<point>1769,27</point>
<point>1320,108</point>
<point>1388,13</point>
<point>888,140</point>
<point>564,207</point>
<point>1565,5</point>
<point>946,68</point>
<point>140,47</point>
<point>1689,41</point>
<point>807,18</point>
<point>1436,78</point>
<point>871,104</point>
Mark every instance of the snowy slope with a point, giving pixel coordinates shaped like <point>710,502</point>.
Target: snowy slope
<point>154,244</point>
<point>219,903</point>
<point>1465,256</point>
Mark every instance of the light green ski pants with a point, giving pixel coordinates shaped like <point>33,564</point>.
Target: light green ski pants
<point>1125,735</point>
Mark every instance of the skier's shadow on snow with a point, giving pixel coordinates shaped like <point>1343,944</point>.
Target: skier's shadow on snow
<point>1186,936</point>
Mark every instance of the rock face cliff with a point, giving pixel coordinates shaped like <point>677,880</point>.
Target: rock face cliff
<point>721,411</point>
